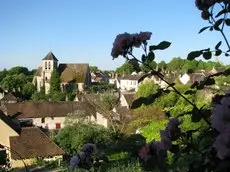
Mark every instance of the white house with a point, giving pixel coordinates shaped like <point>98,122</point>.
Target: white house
<point>72,75</point>
<point>131,82</point>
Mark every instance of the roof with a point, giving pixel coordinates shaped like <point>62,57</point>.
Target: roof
<point>129,97</point>
<point>196,77</point>
<point>38,71</point>
<point>47,109</point>
<point>12,96</point>
<point>32,143</point>
<point>50,56</point>
<point>137,77</point>
<point>6,119</point>
<point>73,72</point>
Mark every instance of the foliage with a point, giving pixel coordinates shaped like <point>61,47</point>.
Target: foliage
<point>152,130</point>
<point>109,101</point>
<point>100,88</point>
<point>125,69</point>
<point>55,82</point>
<point>28,90</point>
<point>93,68</point>
<point>143,116</point>
<point>202,144</point>
<point>146,88</point>
<point>72,137</point>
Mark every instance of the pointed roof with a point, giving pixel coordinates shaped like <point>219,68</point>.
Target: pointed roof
<point>50,56</point>
<point>31,143</point>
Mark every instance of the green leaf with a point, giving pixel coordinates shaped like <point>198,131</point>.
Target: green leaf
<point>218,45</point>
<point>218,52</point>
<point>218,23</point>
<point>207,55</point>
<point>221,12</point>
<point>196,116</point>
<point>143,58</point>
<point>203,29</point>
<point>192,55</point>
<point>151,56</point>
<point>161,46</point>
<point>227,22</point>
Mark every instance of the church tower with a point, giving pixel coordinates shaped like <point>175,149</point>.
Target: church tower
<point>49,63</point>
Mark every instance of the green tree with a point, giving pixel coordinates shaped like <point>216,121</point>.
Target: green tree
<point>55,82</point>
<point>109,101</point>
<point>147,88</point>
<point>126,69</point>
<point>176,64</point>
<point>18,70</point>
<point>190,66</point>
<point>93,68</point>
<point>28,90</point>
<point>72,137</point>
<point>162,65</point>
<point>152,64</point>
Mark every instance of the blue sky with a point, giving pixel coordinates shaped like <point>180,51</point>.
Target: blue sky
<point>83,31</point>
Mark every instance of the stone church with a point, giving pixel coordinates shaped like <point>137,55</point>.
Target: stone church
<point>72,75</point>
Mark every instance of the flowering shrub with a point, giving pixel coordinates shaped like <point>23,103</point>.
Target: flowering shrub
<point>84,159</point>
<point>204,148</point>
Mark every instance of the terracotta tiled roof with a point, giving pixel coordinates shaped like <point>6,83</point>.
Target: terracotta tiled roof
<point>32,143</point>
<point>38,71</point>
<point>73,72</point>
<point>50,56</point>
<point>47,109</point>
<point>6,119</point>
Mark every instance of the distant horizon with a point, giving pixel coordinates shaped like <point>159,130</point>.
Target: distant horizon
<point>84,31</point>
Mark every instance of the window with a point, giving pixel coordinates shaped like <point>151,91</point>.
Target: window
<point>46,79</point>
<point>52,118</point>
<point>58,125</point>
<point>43,120</point>
<point>49,65</point>
<point>45,65</point>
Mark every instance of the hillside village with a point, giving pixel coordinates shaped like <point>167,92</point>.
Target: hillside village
<point>27,123</point>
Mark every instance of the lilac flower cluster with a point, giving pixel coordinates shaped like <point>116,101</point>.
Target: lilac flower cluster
<point>124,43</point>
<point>171,133</point>
<point>221,122</point>
<point>83,159</point>
<point>204,6</point>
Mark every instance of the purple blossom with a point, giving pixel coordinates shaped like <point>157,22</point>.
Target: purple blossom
<point>74,162</point>
<point>124,43</point>
<point>222,145</point>
<point>173,123</point>
<point>166,142</point>
<point>144,36</point>
<point>220,119</point>
<point>204,4</point>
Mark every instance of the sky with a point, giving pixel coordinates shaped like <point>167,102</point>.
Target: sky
<point>83,31</point>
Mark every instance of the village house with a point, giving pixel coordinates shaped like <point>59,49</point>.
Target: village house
<point>23,144</point>
<point>187,78</point>
<point>52,115</point>
<point>126,99</point>
<point>131,82</point>
<point>72,75</point>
